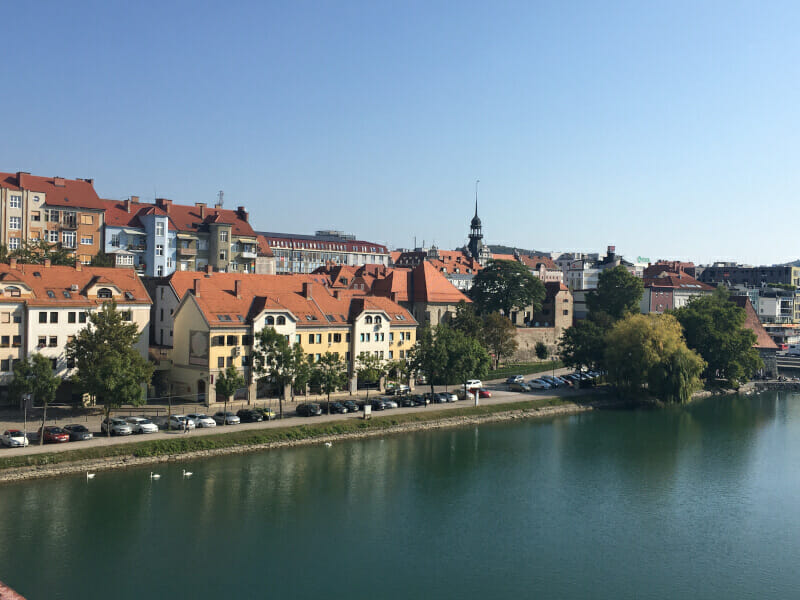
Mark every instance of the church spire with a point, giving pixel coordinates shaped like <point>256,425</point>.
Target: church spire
<point>477,181</point>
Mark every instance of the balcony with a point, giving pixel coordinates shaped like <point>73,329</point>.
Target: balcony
<point>187,251</point>
<point>248,254</point>
<point>137,247</point>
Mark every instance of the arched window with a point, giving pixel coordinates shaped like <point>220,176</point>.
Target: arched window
<point>270,320</point>
<point>368,319</point>
<point>377,320</point>
<point>104,293</point>
<point>281,320</point>
<point>13,291</point>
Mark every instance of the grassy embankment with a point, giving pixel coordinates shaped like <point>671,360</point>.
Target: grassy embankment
<point>227,439</point>
<point>524,369</point>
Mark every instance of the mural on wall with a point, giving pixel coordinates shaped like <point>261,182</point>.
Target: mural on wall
<point>198,348</point>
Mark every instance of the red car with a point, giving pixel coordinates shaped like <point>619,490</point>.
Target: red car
<point>484,393</point>
<point>54,435</point>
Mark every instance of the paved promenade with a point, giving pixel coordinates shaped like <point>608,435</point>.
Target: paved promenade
<point>500,395</point>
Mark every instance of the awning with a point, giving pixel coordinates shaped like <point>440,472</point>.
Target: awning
<point>133,231</point>
<point>186,236</point>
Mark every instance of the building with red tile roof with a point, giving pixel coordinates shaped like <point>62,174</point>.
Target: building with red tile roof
<point>668,291</point>
<point>766,346</point>
<point>296,253</point>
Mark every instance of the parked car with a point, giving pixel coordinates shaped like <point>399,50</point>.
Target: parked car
<point>226,418</point>
<point>538,384</point>
<point>312,409</point>
<point>351,406</point>
<point>441,398</point>
<point>142,425</point>
<point>266,413</point>
<point>14,438</point>
<point>202,420</point>
<point>336,408</point>
<point>390,402</point>
<point>430,398</point>
<point>484,394</point>
<point>515,379</point>
<point>250,416</point>
<point>407,402</point>
<point>551,380</point>
<point>520,387</point>
<point>181,422</point>
<point>461,394</point>
<point>118,426</point>
<point>54,435</point>
<point>377,404</point>
<point>78,433</point>
<point>474,384</point>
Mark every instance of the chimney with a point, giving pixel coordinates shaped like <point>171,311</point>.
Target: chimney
<point>90,181</point>
<point>209,269</point>
<point>336,294</point>
<point>393,296</point>
<point>78,265</point>
<point>242,213</point>
<point>237,289</point>
<point>59,182</point>
<point>47,263</point>
<point>163,204</point>
<point>12,262</point>
<point>135,199</point>
<point>127,206</point>
<point>202,207</point>
<point>308,289</point>
<point>196,288</point>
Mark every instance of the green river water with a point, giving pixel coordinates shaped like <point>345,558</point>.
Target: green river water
<point>684,502</point>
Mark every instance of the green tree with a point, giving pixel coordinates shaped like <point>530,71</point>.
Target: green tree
<point>369,368</point>
<point>466,357</point>
<point>714,327</point>
<point>35,252</point>
<point>34,375</point>
<point>618,294</point>
<point>274,360</point>
<point>228,381</point>
<point>467,320</point>
<point>108,366</point>
<point>302,367</point>
<point>330,372</point>
<point>499,336</point>
<point>541,350</point>
<point>101,259</point>
<point>398,370</point>
<point>505,285</point>
<point>429,355</point>
<point>583,345</point>
<point>649,352</point>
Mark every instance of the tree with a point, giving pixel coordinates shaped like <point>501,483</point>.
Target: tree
<point>301,366</point>
<point>499,336</point>
<point>467,320</point>
<point>649,352</point>
<point>108,366</point>
<point>34,375</point>
<point>35,252</point>
<point>274,359</point>
<point>618,294</point>
<point>330,372</point>
<point>505,285</point>
<point>466,357</point>
<point>541,351</point>
<point>228,381</point>
<point>101,259</point>
<point>429,355</point>
<point>583,345</point>
<point>369,368</point>
<point>714,327</point>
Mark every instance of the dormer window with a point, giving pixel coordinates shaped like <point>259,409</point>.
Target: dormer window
<point>270,320</point>
<point>368,319</point>
<point>377,320</point>
<point>104,293</point>
<point>13,291</point>
<point>281,320</point>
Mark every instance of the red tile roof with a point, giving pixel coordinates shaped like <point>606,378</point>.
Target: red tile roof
<point>677,281</point>
<point>75,193</point>
<point>533,262</point>
<point>763,339</point>
<point>188,218</point>
<point>504,257</point>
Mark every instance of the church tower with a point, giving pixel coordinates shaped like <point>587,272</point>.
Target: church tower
<point>475,246</point>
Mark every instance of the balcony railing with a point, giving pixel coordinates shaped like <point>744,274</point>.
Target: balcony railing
<point>137,247</point>
<point>187,251</point>
<point>248,254</point>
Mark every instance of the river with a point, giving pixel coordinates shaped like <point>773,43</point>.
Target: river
<point>683,502</point>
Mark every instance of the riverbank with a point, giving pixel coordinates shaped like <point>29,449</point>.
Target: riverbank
<point>18,468</point>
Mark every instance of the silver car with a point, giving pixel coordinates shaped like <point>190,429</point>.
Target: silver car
<point>201,420</point>
<point>180,422</point>
<point>226,418</point>
<point>142,425</point>
<point>118,426</point>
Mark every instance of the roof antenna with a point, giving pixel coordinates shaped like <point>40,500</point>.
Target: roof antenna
<point>220,198</point>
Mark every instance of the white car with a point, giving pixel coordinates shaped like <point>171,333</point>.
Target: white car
<point>142,425</point>
<point>118,426</point>
<point>473,384</point>
<point>201,420</point>
<point>180,422</point>
<point>14,438</point>
<point>226,418</point>
<point>539,384</point>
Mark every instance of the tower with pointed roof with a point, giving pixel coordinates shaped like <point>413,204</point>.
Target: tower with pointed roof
<point>475,247</point>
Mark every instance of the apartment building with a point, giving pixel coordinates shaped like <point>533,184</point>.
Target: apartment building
<point>61,211</point>
<point>43,307</point>
<point>296,253</point>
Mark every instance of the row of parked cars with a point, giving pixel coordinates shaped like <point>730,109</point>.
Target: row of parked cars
<point>312,409</point>
<point>545,382</point>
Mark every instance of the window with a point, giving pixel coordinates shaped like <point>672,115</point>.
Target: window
<point>53,341</point>
<point>159,249</point>
<point>368,320</point>
<point>247,340</point>
<point>270,320</point>
<point>16,341</point>
<point>17,318</point>
<point>15,201</point>
<point>281,321</point>
<point>51,215</point>
<point>377,320</point>
<point>391,336</point>
<point>223,255</point>
<point>297,338</point>
<point>402,353</point>
<point>124,259</point>
<point>104,293</point>
<point>42,317</point>
<point>71,317</point>
<point>566,312</point>
<point>223,236</point>
<point>13,243</point>
<point>160,271</point>
<point>317,357</point>
<point>42,341</point>
<point>87,240</point>
<point>52,236</point>
<point>230,361</point>
<point>319,338</point>
<point>391,355</point>
<point>127,315</point>
<point>82,317</point>
<point>68,239</point>
<point>233,340</point>
<point>36,216</point>
<point>5,341</point>
<point>87,220</point>
<point>54,317</point>
<point>310,338</point>
<point>115,240</point>
<point>169,263</point>
<point>5,365</point>
<point>221,362</point>
<point>337,337</point>
<point>218,340</point>
<point>346,337</point>
<point>160,229</point>
<point>6,317</point>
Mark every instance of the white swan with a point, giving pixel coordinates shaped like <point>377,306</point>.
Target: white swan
<point>154,475</point>
<point>187,473</point>
<point>89,475</point>
<point>328,444</point>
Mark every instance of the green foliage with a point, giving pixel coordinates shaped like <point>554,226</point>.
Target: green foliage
<point>429,356</point>
<point>648,352</point>
<point>35,252</point>
<point>467,320</point>
<point>330,372</point>
<point>541,351</point>
<point>101,259</point>
<point>499,336</point>
<point>108,366</point>
<point>583,345</point>
<point>369,368</point>
<point>34,375</point>
<point>505,285</point>
<point>618,294</point>
<point>524,369</point>
<point>714,328</point>
<point>466,357</point>
<point>228,381</point>
<point>275,360</point>
<point>399,370</point>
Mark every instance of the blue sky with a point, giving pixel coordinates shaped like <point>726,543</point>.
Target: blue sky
<point>669,129</point>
